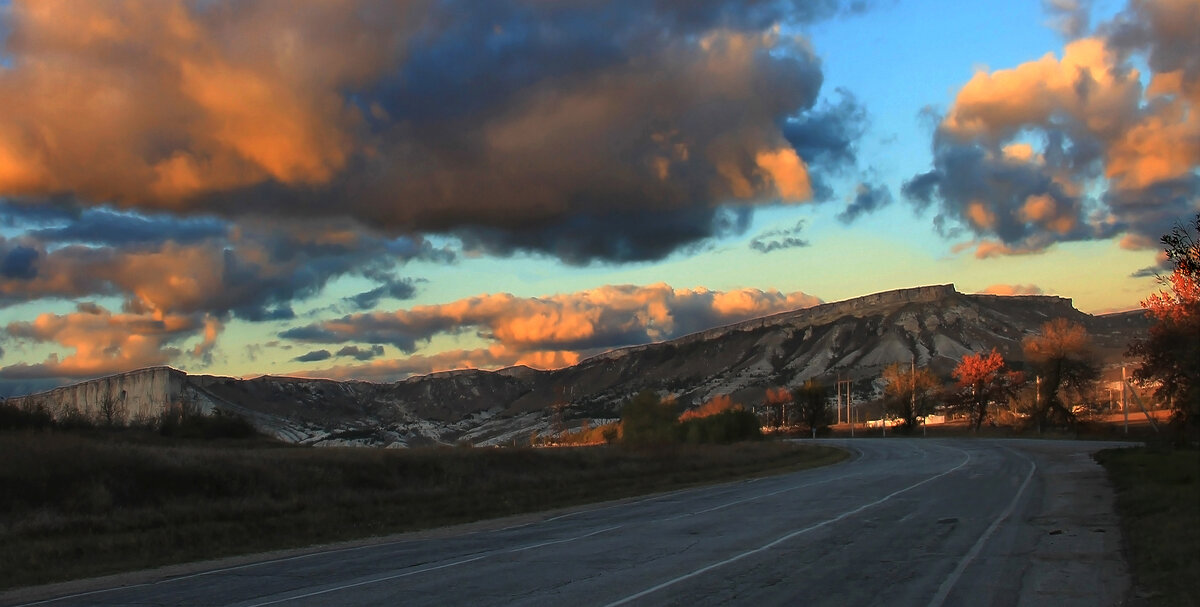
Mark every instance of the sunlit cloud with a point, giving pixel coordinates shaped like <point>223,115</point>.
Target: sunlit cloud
<point>1098,129</point>
<point>509,125</point>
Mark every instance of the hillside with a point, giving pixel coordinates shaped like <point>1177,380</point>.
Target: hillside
<point>853,339</point>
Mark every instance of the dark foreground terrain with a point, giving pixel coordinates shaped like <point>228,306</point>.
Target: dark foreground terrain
<point>76,505</point>
<point>903,522</point>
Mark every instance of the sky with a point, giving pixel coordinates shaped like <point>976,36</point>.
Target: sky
<point>375,189</point>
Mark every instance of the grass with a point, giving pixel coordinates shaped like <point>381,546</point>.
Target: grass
<point>80,505</point>
<point>1158,499</point>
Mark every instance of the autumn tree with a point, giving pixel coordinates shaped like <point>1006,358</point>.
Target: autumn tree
<point>984,380</point>
<point>1170,354</point>
<point>812,406</point>
<point>1061,355</point>
<point>909,393</point>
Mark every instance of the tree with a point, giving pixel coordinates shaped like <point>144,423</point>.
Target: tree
<point>1170,354</point>
<point>909,393</point>
<point>812,406</point>
<point>111,410</point>
<point>648,420</point>
<point>982,381</point>
<point>1062,357</point>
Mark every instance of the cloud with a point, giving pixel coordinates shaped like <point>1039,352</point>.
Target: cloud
<point>1003,289</point>
<point>314,356</point>
<point>253,271</point>
<point>867,199</point>
<point>358,353</point>
<point>101,342</point>
<point>777,240</point>
<point>1069,17</point>
<point>1095,128</point>
<point>586,321</point>
<point>519,125</point>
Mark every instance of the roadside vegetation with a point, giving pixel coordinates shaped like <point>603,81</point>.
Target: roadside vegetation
<point>1158,500</point>
<point>91,501</point>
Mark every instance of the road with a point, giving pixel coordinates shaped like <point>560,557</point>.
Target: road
<point>903,522</point>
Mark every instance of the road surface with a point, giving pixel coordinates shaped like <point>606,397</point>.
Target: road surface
<point>903,522</point>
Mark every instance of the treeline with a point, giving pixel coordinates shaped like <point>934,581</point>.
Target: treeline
<point>650,420</point>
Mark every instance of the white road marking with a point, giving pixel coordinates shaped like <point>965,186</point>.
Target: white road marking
<point>948,585</point>
<point>782,539</point>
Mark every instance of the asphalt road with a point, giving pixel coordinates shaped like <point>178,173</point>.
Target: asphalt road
<point>904,522</point>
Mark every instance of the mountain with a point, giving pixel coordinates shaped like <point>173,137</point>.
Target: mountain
<point>853,339</point>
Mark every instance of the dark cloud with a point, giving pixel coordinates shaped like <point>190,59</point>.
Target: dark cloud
<point>397,289</point>
<point>17,263</point>
<point>255,272</point>
<point>102,226</point>
<point>314,356</point>
<point>777,240</point>
<point>358,353</point>
<point>617,236</point>
<point>867,199</point>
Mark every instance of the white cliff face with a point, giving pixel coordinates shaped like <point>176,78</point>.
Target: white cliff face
<point>137,395</point>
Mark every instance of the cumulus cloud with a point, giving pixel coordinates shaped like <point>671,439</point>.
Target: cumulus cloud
<point>101,342</point>
<point>777,240</point>
<point>517,124</point>
<point>1018,289</point>
<point>1019,153</point>
<point>552,330</point>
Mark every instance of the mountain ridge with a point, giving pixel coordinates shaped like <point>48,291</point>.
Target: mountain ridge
<point>850,339</point>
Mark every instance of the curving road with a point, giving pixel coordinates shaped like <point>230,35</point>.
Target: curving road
<point>903,522</point>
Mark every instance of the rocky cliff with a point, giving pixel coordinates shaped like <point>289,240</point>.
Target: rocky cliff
<point>853,339</point>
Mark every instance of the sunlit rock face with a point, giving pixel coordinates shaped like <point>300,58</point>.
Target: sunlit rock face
<point>853,339</point>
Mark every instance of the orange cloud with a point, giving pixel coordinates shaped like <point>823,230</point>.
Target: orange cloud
<point>101,342</point>
<point>556,330</point>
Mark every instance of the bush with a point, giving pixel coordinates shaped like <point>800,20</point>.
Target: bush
<point>186,422</point>
<point>728,426</point>
<point>15,418</point>
<point>648,420</point>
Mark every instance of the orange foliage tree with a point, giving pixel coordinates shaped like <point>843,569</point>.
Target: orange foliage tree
<point>717,405</point>
<point>1062,357</point>
<point>1171,352</point>
<point>984,379</point>
<point>908,393</point>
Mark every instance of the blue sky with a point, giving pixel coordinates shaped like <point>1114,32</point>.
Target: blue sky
<point>381,189</point>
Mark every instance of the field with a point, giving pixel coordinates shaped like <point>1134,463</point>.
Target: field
<point>1158,499</point>
<point>80,505</point>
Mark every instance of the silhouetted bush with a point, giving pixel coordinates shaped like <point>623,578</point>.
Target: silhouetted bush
<point>15,418</point>
<point>184,421</point>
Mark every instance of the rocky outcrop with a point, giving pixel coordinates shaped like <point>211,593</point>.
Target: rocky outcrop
<point>140,394</point>
<point>853,339</point>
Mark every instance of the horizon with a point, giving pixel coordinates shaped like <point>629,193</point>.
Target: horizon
<point>376,191</point>
<point>630,347</point>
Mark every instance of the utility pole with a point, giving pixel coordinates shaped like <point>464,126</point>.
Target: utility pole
<point>1124,403</point>
<point>838,407</point>
<point>849,408</point>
